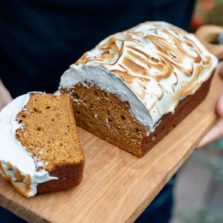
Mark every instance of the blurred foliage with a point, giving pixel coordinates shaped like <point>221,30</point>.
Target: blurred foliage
<point>216,16</point>
<point>199,215</point>
<point>207,12</point>
<point>211,157</point>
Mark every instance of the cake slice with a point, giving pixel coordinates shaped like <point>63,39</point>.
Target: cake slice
<point>137,85</point>
<point>39,147</point>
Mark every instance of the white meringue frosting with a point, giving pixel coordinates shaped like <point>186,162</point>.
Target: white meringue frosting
<point>151,66</point>
<point>16,164</point>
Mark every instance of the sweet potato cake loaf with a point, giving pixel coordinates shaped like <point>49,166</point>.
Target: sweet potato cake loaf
<point>39,147</point>
<point>136,85</point>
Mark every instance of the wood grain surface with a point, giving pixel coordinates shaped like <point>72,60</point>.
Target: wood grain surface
<point>117,186</point>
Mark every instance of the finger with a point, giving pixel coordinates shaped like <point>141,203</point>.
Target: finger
<point>219,106</point>
<point>214,134</point>
<point>5,96</point>
<point>220,69</point>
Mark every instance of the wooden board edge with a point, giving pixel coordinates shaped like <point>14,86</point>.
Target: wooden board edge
<point>26,215</point>
<point>147,201</point>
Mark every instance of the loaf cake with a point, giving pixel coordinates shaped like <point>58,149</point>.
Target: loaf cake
<point>39,147</point>
<point>137,85</point>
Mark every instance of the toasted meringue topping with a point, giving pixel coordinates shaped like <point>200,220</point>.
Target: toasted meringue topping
<point>160,64</point>
<point>17,165</point>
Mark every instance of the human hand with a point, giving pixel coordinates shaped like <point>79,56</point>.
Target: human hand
<point>217,131</point>
<point>5,96</point>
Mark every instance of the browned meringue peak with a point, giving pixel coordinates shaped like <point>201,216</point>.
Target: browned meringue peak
<point>160,63</point>
<point>148,50</point>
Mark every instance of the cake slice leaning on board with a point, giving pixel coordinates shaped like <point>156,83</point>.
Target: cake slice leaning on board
<point>39,147</point>
<point>137,85</point>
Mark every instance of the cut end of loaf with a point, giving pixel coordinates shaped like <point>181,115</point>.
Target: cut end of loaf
<point>48,132</point>
<point>108,117</point>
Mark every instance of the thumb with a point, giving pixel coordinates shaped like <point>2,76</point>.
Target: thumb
<point>220,69</point>
<point>219,106</point>
<point>217,131</point>
<point>5,96</point>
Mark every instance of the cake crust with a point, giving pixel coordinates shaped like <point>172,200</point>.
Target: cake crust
<point>69,176</point>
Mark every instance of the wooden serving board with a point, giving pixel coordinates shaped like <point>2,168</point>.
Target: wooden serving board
<point>117,186</point>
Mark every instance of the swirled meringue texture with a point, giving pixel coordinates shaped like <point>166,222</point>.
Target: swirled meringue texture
<point>16,164</point>
<point>151,66</point>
